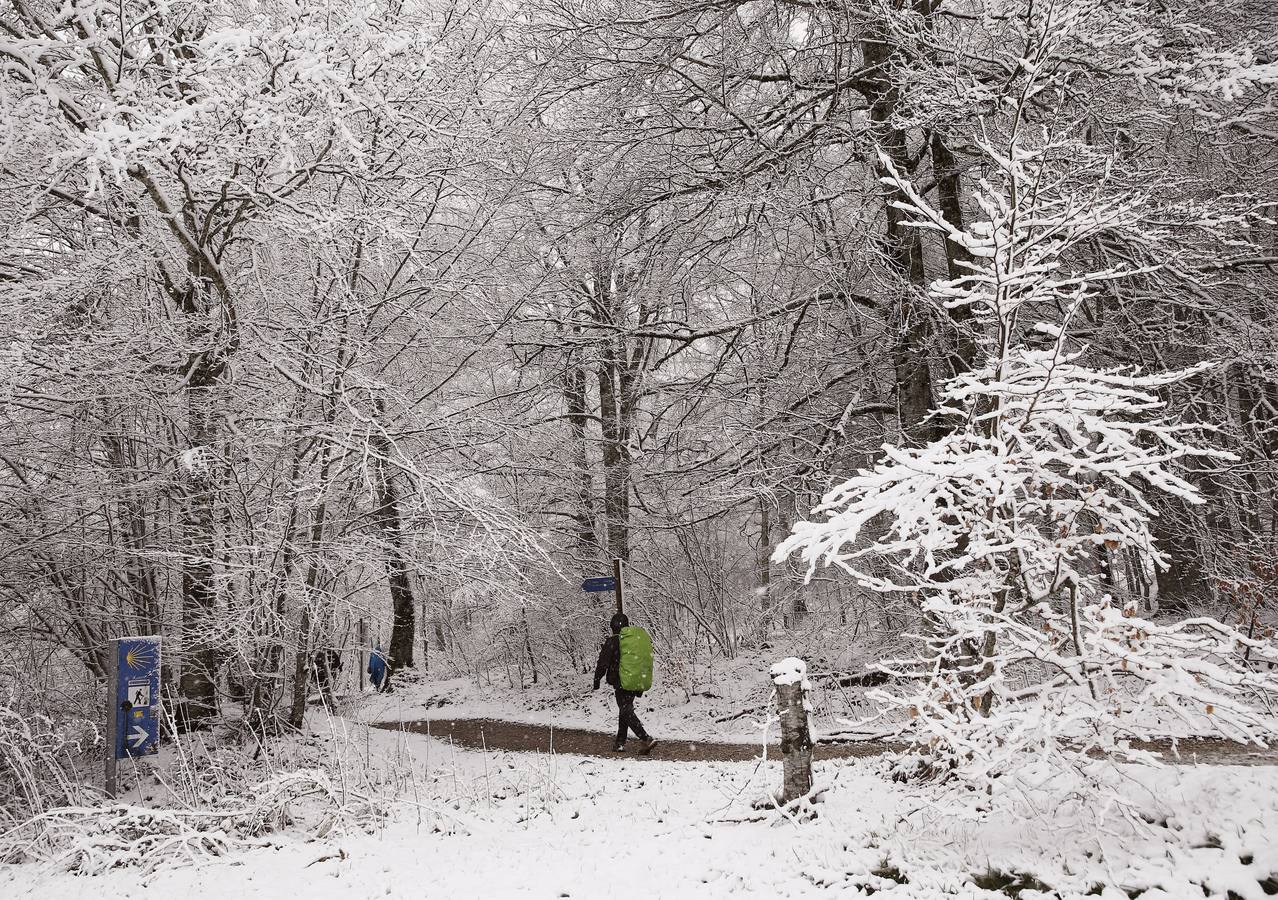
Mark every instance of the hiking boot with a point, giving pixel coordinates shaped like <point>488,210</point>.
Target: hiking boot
<point>619,747</point>
<point>646,747</point>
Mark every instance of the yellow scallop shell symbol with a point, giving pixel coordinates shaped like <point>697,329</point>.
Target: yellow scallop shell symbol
<point>139,657</point>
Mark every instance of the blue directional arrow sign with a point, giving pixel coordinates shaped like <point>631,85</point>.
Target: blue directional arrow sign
<point>594,585</point>
<point>137,697</point>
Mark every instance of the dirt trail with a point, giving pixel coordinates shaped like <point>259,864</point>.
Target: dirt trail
<point>490,734</point>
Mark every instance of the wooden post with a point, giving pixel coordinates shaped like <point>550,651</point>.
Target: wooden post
<point>790,678</point>
<point>113,716</point>
<point>616,576</point>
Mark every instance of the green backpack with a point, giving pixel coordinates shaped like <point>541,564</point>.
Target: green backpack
<point>635,670</point>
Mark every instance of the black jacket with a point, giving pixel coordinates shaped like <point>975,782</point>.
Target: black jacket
<point>607,669</point>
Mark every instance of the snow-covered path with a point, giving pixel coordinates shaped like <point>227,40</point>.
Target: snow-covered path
<point>496,734</point>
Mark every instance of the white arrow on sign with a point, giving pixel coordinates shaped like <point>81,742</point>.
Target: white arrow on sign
<point>138,736</point>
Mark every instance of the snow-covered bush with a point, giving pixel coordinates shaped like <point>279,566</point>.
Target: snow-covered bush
<point>92,839</point>
<point>47,739</point>
<point>39,757</point>
<point>210,797</point>
<point>1001,528</point>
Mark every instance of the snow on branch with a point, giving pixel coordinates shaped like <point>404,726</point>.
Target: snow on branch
<point>1049,439</point>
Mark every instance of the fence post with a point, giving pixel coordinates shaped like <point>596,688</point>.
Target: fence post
<point>790,678</point>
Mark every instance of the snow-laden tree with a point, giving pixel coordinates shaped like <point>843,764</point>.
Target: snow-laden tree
<point>240,240</point>
<point>1001,527</point>
<point>186,132</point>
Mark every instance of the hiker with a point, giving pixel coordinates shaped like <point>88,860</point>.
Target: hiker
<point>609,668</point>
<point>378,670</point>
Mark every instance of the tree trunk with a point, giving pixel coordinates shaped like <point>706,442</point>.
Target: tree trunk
<point>616,458</point>
<point>204,300</point>
<point>403,607</point>
<point>315,544</point>
<point>197,685</point>
<point>1184,581</point>
<point>578,416</point>
<point>764,563</point>
<point>532,660</point>
<point>904,251</point>
<point>301,668</point>
<point>949,196</point>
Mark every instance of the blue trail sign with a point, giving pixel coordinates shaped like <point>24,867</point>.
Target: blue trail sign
<point>137,697</point>
<point>594,585</point>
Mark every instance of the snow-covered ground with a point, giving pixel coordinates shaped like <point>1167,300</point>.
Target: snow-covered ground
<point>473,824</point>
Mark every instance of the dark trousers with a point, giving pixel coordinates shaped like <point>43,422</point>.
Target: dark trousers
<point>626,717</point>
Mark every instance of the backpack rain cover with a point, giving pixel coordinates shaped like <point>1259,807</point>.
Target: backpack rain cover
<point>635,670</point>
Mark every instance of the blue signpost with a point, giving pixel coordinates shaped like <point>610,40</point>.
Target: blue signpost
<point>612,583</point>
<point>133,724</point>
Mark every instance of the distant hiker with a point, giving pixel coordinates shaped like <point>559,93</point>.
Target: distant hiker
<point>378,670</point>
<point>625,662</point>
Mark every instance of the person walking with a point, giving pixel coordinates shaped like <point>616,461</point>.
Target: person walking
<point>378,670</point>
<point>608,668</point>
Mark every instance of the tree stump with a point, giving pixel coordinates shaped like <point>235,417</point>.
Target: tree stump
<point>790,678</point>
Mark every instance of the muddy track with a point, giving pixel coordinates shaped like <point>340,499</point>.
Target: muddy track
<point>490,734</point>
